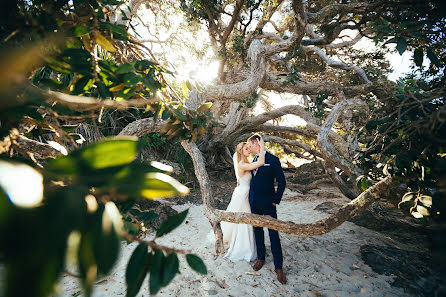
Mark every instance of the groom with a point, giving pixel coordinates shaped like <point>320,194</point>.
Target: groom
<point>263,199</point>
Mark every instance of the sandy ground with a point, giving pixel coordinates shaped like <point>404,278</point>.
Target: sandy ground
<point>327,265</point>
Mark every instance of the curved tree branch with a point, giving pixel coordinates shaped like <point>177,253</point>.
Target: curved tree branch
<point>316,228</point>
<point>337,64</point>
<point>244,88</point>
<point>322,140</point>
<point>272,82</point>
<point>310,130</point>
<point>206,191</point>
<point>90,103</point>
<point>142,127</point>
<point>334,9</point>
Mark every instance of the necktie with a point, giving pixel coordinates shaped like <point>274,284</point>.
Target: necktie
<point>255,160</point>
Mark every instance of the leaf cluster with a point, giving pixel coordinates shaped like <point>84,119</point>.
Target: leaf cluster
<point>83,209</point>
<point>407,142</point>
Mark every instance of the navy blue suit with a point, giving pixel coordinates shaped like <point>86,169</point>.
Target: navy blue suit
<point>262,195</point>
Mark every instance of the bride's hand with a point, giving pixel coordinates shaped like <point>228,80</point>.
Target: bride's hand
<point>261,143</point>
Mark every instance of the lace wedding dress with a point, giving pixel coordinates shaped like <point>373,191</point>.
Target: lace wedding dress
<point>240,237</point>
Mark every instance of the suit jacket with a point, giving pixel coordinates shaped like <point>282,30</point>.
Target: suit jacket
<point>262,192</point>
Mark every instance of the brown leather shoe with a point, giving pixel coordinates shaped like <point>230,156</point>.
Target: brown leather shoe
<point>258,264</point>
<point>280,276</point>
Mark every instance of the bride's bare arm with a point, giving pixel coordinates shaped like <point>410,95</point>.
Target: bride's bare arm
<point>260,161</point>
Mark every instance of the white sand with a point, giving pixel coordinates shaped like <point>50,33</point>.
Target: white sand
<point>327,265</point>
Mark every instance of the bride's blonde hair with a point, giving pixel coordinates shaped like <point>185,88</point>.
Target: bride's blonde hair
<point>240,155</point>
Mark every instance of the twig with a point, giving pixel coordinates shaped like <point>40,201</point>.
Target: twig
<point>253,273</point>
<point>153,245</point>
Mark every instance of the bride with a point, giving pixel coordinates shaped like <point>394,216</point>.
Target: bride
<point>240,237</point>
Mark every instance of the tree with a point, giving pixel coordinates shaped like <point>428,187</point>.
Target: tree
<point>354,113</point>
<point>379,134</point>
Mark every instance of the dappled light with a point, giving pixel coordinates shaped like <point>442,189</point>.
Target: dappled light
<point>22,184</point>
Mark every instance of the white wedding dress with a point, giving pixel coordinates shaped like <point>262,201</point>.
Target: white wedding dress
<point>240,237</point>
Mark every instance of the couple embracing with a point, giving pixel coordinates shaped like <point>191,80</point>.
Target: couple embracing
<point>255,193</point>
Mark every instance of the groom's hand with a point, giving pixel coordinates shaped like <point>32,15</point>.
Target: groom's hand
<point>274,204</point>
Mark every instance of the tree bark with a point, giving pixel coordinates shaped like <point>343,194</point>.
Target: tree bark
<point>320,227</point>
<point>206,191</point>
<point>326,148</point>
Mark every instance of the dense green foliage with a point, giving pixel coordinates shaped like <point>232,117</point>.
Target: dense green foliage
<point>84,209</point>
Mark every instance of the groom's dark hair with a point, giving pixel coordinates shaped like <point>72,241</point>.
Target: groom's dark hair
<point>254,137</point>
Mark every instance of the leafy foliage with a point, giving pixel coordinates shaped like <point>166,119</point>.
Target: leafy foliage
<point>88,211</point>
<point>317,106</point>
<point>82,207</point>
<point>409,145</point>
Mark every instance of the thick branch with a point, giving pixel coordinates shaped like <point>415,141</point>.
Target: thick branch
<point>206,191</point>
<point>310,131</point>
<point>142,127</point>
<point>326,148</point>
<point>349,191</point>
<point>90,103</point>
<point>263,21</point>
<point>334,9</point>
<point>283,141</point>
<point>244,88</point>
<point>235,16</point>
<point>316,228</point>
<point>40,150</point>
<point>337,64</point>
<point>281,84</point>
<point>288,150</point>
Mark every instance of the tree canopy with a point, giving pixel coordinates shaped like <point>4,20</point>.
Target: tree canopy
<point>87,62</point>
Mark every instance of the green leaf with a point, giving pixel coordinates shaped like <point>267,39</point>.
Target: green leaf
<point>144,65</point>
<point>189,85</point>
<point>83,84</point>
<point>113,151</point>
<point>155,281</point>
<point>171,265</point>
<point>418,56</point>
<point>158,185</point>
<point>105,43</point>
<point>137,269</point>
<point>140,180</point>
<point>148,83</point>
<point>401,45</point>
<point>433,57</point>
<point>120,32</point>
<point>171,223</point>
<point>103,90</point>
<point>76,56</point>
<point>80,30</point>
<point>196,263</point>
<point>143,216</point>
<point>179,115</point>
<point>125,68</point>
<point>131,79</point>
<point>166,114</point>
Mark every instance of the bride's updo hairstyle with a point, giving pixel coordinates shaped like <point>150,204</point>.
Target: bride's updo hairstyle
<point>239,150</point>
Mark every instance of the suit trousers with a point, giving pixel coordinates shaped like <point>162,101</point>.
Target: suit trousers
<point>276,248</point>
